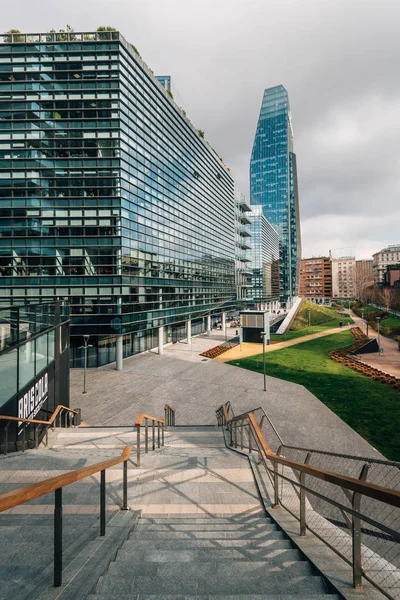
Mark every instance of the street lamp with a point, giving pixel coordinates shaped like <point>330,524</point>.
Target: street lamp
<point>378,319</point>
<point>263,334</point>
<point>362,317</point>
<point>309,318</point>
<point>86,345</point>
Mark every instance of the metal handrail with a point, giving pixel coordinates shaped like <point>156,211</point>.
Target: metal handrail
<point>52,422</point>
<point>56,484</point>
<point>354,489</point>
<point>169,417</point>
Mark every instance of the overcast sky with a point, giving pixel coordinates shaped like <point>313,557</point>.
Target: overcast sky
<point>339,61</point>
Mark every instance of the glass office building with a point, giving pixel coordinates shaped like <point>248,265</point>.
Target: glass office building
<point>109,197</point>
<point>273,183</point>
<point>264,265</point>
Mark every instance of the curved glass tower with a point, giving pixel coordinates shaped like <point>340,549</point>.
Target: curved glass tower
<point>273,183</point>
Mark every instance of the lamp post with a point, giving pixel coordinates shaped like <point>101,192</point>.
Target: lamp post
<point>378,319</point>
<point>86,345</point>
<point>362,316</point>
<point>309,318</point>
<point>263,334</point>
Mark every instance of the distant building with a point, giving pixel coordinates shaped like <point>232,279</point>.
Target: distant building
<point>316,279</point>
<point>392,275</point>
<point>343,277</point>
<point>273,183</point>
<point>364,277</point>
<point>384,258</point>
<point>264,279</point>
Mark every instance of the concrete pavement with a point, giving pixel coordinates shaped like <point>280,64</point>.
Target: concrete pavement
<point>196,386</point>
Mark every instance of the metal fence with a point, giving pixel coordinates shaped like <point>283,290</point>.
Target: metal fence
<point>361,529</point>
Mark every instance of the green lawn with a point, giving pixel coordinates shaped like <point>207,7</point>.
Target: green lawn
<point>390,324</point>
<point>370,408</point>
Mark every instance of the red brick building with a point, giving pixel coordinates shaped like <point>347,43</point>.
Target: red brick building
<point>316,279</point>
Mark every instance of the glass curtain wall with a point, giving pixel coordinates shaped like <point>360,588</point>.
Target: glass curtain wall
<point>108,195</point>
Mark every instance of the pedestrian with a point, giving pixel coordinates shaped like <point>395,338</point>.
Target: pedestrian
<point>340,324</point>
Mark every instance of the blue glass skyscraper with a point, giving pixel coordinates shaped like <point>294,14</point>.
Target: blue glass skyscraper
<point>273,183</point>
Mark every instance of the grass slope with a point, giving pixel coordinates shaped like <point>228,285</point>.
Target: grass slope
<point>370,408</point>
<point>321,319</point>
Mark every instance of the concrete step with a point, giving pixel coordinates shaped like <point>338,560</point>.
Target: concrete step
<point>134,596</point>
<point>266,525</point>
<point>195,520</point>
<point>138,546</point>
<point>114,585</point>
<point>267,531</point>
<point>274,556</point>
<point>235,569</point>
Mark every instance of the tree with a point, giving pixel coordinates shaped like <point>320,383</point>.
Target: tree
<point>11,36</point>
<point>201,133</point>
<point>63,35</point>
<point>104,33</point>
<point>386,297</point>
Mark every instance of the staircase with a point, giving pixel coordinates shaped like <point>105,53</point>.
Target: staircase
<point>203,533</point>
<point>240,557</point>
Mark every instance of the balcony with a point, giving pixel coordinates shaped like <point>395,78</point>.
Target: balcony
<point>245,220</point>
<point>244,205</point>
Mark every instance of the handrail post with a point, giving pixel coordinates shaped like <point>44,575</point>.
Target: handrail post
<point>276,480</point>
<point>146,436</point>
<point>231,434</point>
<point>125,486</point>
<point>23,438</point>
<point>174,418</point>
<point>138,446</point>
<point>5,439</point>
<point>158,434</point>
<point>162,433</point>
<point>356,533</point>
<point>153,431</point>
<point>241,435</point>
<point>37,437</point>
<point>250,440</point>
<point>58,523</point>
<point>103,503</point>
<point>303,524</point>
<point>166,416</point>
<point>235,434</point>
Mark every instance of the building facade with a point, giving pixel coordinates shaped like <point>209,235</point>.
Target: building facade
<point>264,279</point>
<point>343,277</point>
<point>273,183</point>
<point>364,277</point>
<point>383,259</point>
<point>109,197</point>
<point>34,366</point>
<point>243,245</point>
<point>316,279</point>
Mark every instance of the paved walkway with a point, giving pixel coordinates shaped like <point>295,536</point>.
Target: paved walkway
<point>253,349</point>
<point>389,359</point>
<point>197,386</point>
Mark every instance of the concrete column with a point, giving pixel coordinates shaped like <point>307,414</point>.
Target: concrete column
<point>189,331</point>
<point>161,340</point>
<point>208,325</point>
<point>223,322</point>
<point>119,354</point>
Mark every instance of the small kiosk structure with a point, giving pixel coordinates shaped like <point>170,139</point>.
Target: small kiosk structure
<point>254,323</point>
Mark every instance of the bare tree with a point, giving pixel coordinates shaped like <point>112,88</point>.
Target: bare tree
<point>387,296</point>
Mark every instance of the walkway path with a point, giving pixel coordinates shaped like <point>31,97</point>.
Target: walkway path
<point>253,349</point>
<point>389,359</point>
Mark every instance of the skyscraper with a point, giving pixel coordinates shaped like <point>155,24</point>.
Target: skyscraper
<point>273,182</point>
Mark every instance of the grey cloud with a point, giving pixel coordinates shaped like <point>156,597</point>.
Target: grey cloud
<point>336,58</point>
